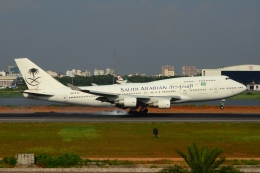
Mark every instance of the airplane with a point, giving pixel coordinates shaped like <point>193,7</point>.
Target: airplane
<point>120,80</point>
<point>136,96</point>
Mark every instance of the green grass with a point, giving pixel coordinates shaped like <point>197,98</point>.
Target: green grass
<point>243,162</point>
<point>10,93</point>
<point>128,140</point>
<point>247,95</point>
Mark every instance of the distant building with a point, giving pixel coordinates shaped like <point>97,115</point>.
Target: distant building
<point>253,86</point>
<point>71,73</point>
<point>13,69</point>
<point>74,72</point>
<point>198,72</point>
<point>244,74</point>
<point>18,74</point>
<point>2,73</point>
<point>139,74</point>
<point>98,72</point>
<point>110,71</point>
<point>167,70</point>
<point>52,73</point>
<point>7,80</point>
<point>189,71</point>
<point>85,73</point>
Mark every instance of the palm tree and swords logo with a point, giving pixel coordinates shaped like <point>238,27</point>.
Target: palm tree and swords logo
<point>34,81</point>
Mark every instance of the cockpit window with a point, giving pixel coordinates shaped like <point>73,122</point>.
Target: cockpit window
<point>227,78</point>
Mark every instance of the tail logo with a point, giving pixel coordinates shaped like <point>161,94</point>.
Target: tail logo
<point>32,79</point>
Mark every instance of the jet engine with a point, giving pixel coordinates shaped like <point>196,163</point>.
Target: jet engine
<point>128,102</point>
<point>163,104</point>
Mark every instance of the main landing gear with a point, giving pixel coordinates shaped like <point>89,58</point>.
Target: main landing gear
<point>222,104</point>
<point>138,111</point>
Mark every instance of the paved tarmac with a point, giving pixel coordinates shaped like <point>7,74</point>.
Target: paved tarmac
<point>82,117</point>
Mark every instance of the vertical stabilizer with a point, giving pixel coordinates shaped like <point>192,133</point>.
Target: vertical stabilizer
<point>34,76</point>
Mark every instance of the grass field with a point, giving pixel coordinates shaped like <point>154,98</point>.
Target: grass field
<point>9,93</point>
<point>128,140</point>
<point>247,95</point>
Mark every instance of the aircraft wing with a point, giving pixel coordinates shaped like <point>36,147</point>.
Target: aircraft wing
<point>113,96</point>
<point>99,93</point>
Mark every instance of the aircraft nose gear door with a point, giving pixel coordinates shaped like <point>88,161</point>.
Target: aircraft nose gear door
<point>65,98</point>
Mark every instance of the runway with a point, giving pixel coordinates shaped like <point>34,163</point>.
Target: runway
<point>82,117</point>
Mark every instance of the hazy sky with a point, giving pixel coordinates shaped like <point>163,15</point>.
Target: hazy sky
<point>62,35</point>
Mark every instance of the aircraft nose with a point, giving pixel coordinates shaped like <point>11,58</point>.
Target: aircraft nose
<point>243,87</point>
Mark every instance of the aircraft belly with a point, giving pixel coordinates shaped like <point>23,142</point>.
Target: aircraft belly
<point>202,96</point>
<point>88,102</point>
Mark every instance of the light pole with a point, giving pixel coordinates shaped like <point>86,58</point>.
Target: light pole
<point>72,78</point>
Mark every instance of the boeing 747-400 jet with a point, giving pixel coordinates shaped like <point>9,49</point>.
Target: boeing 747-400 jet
<point>136,96</point>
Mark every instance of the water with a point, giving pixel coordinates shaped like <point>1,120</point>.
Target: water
<point>25,102</point>
<point>30,102</point>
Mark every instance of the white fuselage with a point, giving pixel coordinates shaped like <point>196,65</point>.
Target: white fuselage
<point>187,89</point>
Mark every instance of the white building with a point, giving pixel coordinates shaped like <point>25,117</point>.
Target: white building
<point>85,73</point>
<point>74,72</point>
<point>253,86</point>
<point>167,70</point>
<point>110,71</point>
<point>7,80</point>
<point>71,73</point>
<point>13,74</point>
<point>244,74</point>
<point>2,73</point>
<point>189,71</point>
<point>98,72</point>
<point>52,73</point>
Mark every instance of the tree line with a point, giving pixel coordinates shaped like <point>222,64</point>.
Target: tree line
<point>106,79</point>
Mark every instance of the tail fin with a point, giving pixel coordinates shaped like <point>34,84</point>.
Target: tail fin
<point>34,76</point>
<point>127,81</point>
<point>119,78</point>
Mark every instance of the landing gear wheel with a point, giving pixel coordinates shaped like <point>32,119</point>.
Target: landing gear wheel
<point>133,111</point>
<point>222,104</point>
<point>145,111</point>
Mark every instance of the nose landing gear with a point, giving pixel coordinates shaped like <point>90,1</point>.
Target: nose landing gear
<point>222,104</point>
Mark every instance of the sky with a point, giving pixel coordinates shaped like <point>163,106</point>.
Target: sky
<point>145,35</point>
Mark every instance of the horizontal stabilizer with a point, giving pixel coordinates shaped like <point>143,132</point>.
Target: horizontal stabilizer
<point>39,94</point>
<point>100,93</point>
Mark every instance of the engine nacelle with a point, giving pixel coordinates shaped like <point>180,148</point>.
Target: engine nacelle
<point>163,104</point>
<point>128,102</point>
